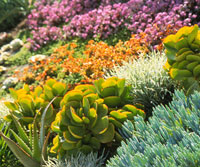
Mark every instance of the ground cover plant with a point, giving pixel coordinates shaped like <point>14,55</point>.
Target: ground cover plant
<point>52,20</point>
<point>66,61</point>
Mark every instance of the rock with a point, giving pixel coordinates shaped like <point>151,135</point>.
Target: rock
<point>5,38</point>
<point>16,44</point>
<point>5,54</point>
<point>6,48</point>
<point>36,58</point>
<point>9,82</point>
<point>2,69</point>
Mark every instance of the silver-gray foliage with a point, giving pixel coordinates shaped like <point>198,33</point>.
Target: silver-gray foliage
<point>171,138</point>
<point>150,82</point>
<point>81,160</point>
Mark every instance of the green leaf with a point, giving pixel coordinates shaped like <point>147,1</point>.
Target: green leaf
<point>120,86</point>
<point>42,129</point>
<point>22,143</point>
<point>75,117</point>
<point>98,86</point>
<point>23,157</point>
<point>193,34</point>
<point>74,95</point>
<point>13,93</point>
<point>86,106</point>
<point>27,119</point>
<point>69,138</point>
<point>11,106</point>
<point>21,131</point>
<point>27,106</point>
<point>92,115</point>
<point>26,87</point>
<point>92,97</point>
<point>108,135</point>
<point>112,101</point>
<point>68,146</point>
<point>119,116</point>
<point>109,91</point>
<point>101,125</point>
<point>77,131</point>
<point>36,148</point>
<point>102,110</point>
<point>86,149</point>
<point>48,92</point>
<point>38,91</point>
<point>50,82</point>
<point>58,88</point>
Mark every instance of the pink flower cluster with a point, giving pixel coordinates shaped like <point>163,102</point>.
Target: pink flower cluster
<point>52,20</point>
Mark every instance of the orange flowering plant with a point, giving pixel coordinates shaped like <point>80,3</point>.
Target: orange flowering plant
<point>90,65</point>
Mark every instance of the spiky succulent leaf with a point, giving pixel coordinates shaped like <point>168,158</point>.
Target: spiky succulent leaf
<point>21,143</point>
<point>24,158</point>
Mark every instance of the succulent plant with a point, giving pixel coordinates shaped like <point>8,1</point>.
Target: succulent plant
<point>88,119</point>
<point>31,148</point>
<point>83,122</point>
<point>113,91</point>
<point>28,103</point>
<point>183,53</point>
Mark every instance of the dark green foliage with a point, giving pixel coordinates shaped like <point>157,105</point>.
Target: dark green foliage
<point>170,138</point>
<point>13,11</point>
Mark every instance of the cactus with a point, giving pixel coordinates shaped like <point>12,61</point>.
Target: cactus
<point>183,53</point>
<point>30,150</point>
<point>28,103</point>
<point>91,115</point>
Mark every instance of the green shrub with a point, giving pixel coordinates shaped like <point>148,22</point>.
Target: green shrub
<point>170,138</point>
<point>150,83</point>
<point>80,160</point>
<point>91,115</point>
<point>183,53</point>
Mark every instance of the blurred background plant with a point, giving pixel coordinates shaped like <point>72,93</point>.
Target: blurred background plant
<point>13,11</point>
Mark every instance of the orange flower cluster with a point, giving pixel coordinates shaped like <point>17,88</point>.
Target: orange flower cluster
<point>96,58</point>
